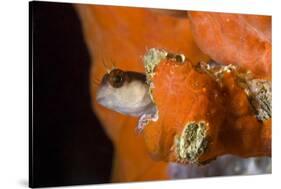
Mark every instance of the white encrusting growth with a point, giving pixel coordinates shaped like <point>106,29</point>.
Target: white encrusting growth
<point>151,59</point>
<point>192,142</point>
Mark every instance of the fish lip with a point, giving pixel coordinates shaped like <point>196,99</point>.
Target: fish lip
<point>99,99</point>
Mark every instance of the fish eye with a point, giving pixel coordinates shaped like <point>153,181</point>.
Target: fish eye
<point>116,78</point>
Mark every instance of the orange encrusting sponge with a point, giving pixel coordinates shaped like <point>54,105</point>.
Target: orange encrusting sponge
<point>199,119</point>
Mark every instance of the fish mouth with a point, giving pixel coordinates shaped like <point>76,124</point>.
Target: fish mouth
<point>100,99</point>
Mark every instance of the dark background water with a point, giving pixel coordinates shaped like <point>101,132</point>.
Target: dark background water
<point>67,143</point>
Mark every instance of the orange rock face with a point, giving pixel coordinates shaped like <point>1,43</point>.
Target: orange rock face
<point>243,40</point>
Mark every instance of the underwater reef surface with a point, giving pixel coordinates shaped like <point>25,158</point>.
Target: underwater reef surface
<point>205,111</point>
